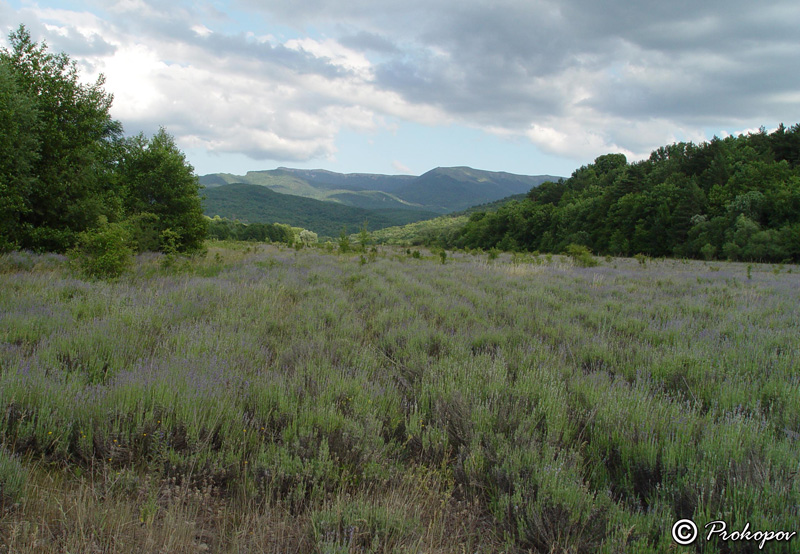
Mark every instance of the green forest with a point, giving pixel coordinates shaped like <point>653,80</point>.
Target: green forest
<point>68,176</point>
<point>736,198</point>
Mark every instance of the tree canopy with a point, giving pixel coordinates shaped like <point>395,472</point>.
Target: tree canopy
<point>735,198</point>
<point>158,180</point>
<point>65,167</point>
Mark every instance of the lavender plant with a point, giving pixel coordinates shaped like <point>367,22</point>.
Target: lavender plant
<point>404,403</point>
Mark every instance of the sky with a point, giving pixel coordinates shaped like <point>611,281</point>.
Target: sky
<point>404,86</point>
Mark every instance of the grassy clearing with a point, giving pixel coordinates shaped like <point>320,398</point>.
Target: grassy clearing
<point>265,399</point>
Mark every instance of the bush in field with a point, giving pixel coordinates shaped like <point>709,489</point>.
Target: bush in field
<point>364,238</point>
<point>581,255</point>
<point>168,244</point>
<point>104,252</point>
<point>709,251</point>
<point>282,233</point>
<point>307,238</point>
<point>344,242</point>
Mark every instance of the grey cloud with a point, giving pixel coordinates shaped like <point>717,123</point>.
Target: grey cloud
<point>365,41</point>
<point>711,99</point>
<point>366,14</point>
<point>78,45</point>
<point>494,59</point>
<point>242,49</point>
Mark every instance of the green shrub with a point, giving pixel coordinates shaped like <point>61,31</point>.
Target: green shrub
<point>709,251</point>
<point>344,242</point>
<point>168,244</point>
<point>361,527</point>
<point>581,255</point>
<point>364,238</point>
<point>104,252</point>
<point>307,238</point>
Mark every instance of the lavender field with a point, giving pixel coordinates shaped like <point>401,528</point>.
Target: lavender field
<point>262,399</point>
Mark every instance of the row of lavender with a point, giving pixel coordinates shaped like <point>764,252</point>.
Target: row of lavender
<point>580,408</point>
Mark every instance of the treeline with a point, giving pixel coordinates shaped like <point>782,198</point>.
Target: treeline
<point>736,198</point>
<point>225,229</point>
<point>68,176</point>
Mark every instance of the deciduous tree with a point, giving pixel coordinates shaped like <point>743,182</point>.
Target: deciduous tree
<point>158,180</point>
<point>62,187</point>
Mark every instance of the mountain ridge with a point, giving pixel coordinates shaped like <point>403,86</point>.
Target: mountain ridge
<point>441,190</point>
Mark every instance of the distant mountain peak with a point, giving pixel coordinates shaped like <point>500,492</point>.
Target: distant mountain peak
<point>441,190</point>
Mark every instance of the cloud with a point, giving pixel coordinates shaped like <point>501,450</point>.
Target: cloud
<point>401,168</point>
<point>225,93</point>
<point>587,70</point>
<point>368,42</point>
<point>280,80</point>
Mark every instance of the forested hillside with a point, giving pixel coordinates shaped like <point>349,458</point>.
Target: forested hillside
<point>735,198</point>
<point>259,204</point>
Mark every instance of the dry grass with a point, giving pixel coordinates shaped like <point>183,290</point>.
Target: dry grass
<point>110,512</point>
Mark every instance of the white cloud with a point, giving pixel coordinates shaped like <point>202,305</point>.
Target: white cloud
<point>201,30</point>
<point>251,95</point>
<point>132,74</point>
<point>398,166</point>
<point>574,140</point>
<point>337,54</point>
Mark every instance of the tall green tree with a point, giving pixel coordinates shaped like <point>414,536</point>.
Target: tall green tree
<point>159,180</point>
<point>66,187</point>
<point>19,147</point>
<point>65,168</point>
